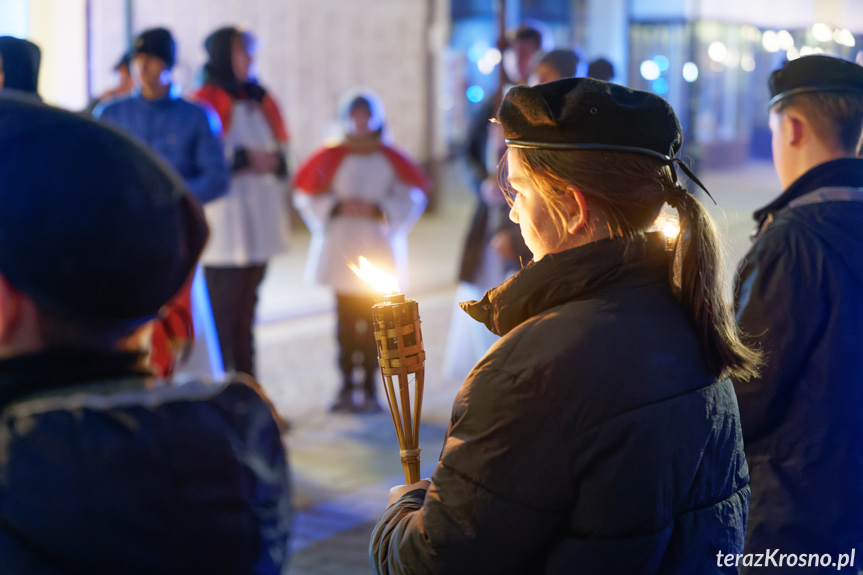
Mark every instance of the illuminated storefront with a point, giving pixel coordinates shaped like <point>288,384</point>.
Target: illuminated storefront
<point>714,70</point>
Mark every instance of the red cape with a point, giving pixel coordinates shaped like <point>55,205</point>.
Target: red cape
<point>316,174</point>
<point>223,104</point>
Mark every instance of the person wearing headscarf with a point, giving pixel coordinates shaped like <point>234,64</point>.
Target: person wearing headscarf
<point>360,198</point>
<point>107,468</point>
<point>250,224</point>
<point>19,65</point>
<point>600,434</point>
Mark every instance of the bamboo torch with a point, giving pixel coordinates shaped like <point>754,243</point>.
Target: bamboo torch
<point>402,360</point>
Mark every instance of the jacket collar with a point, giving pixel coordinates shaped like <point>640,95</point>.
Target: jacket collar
<point>173,93</point>
<point>840,173</point>
<point>53,369</point>
<point>566,276</point>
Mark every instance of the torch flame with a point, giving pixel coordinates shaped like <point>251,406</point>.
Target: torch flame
<point>382,282</point>
<point>669,225</point>
<point>671,229</point>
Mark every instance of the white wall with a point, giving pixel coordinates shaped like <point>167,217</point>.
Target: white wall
<point>14,18</point>
<point>607,34</point>
<point>59,28</point>
<point>310,53</point>
<point>108,42</point>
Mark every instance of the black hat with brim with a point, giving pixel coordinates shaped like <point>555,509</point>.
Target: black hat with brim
<point>816,73</point>
<point>92,224</point>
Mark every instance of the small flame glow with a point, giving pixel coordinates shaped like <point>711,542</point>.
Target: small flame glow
<point>668,224</point>
<point>380,281</point>
<point>671,229</point>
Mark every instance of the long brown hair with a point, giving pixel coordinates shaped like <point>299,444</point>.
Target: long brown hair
<point>629,190</point>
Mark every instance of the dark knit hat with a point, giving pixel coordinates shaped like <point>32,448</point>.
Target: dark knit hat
<point>583,113</point>
<point>815,73</point>
<point>92,224</point>
<point>157,42</point>
<point>21,59</point>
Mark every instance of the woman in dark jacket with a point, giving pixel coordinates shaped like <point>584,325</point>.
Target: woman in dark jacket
<point>600,434</point>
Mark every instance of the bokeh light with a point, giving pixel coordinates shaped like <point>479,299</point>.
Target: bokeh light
<point>717,51</point>
<point>770,41</point>
<point>649,70</point>
<point>690,71</point>
<point>660,86</point>
<point>662,62</point>
<point>475,94</point>
<point>786,40</point>
<point>822,32</point>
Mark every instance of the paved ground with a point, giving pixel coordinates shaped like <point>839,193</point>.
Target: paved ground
<point>344,465</point>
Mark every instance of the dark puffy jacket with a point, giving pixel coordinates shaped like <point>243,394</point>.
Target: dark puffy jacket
<point>592,438</point>
<point>104,471</point>
<point>800,295</point>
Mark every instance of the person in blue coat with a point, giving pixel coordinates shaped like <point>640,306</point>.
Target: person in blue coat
<point>105,468</point>
<point>600,434</point>
<point>800,296</point>
<point>183,133</point>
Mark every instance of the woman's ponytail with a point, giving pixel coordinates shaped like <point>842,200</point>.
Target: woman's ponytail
<point>697,281</point>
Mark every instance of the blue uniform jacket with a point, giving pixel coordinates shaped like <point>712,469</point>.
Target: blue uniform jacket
<point>184,134</point>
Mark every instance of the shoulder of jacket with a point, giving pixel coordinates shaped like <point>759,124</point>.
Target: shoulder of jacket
<point>134,392</point>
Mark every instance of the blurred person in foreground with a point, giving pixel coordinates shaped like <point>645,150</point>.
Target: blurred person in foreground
<point>105,468</point>
<point>249,224</point>
<point>360,197</point>
<point>800,294</point>
<point>600,434</point>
